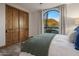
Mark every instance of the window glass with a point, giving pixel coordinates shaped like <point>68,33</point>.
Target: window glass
<point>51,21</point>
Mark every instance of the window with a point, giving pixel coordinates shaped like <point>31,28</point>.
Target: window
<point>51,21</point>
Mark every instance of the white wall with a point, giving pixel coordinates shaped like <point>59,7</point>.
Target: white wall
<point>35,23</point>
<point>2,24</point>
<point>72,13</point>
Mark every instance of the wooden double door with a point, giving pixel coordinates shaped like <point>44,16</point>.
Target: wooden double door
<point>17,27</point>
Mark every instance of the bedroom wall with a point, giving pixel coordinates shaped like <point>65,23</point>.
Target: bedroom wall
<point>35,23</point>
<point>2,25</point>
<point>72,14</point>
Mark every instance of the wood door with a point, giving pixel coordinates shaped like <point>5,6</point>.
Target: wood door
<point>26,25</point>
<point>15,26</point>
<point>23,26</point>
<point>12,29</point>
<point>9,26</point>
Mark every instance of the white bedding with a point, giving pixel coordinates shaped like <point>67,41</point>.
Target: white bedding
<point>60,46</point>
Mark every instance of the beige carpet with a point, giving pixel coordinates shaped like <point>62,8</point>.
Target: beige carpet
<point>13,50</point>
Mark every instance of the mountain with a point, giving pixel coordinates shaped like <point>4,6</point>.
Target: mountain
<point>52,22</point>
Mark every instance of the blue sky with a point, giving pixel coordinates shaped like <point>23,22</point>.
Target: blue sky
<point>54,15</point>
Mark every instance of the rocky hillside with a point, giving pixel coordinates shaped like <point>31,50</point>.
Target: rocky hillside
<point>51,22</point>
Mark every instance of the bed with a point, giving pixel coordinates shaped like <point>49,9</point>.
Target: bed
<point>59,46</point>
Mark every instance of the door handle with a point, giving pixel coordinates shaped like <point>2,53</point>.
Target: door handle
<point>6,31</point>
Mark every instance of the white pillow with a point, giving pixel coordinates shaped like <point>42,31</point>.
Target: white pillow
<point>72,36</point>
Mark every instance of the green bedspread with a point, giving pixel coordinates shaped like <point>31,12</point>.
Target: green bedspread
<point>38,45</point>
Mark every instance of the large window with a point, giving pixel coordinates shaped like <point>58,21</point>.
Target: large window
<point>51,21</point>
<point>54,20</point>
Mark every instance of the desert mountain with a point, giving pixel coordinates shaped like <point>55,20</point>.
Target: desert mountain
<point>52,22</point>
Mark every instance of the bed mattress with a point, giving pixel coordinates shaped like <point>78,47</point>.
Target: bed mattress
<point>60,46</point>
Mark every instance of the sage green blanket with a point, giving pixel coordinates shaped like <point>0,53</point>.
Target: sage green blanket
<point>38,45</point>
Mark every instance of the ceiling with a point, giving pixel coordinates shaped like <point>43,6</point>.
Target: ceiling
<point>37,6</point>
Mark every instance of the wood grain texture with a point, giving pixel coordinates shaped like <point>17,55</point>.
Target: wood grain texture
<point>17,27</point>
<point>9,25</point>
<point>23,26</point>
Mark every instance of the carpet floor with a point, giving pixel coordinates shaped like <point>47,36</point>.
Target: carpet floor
<point>13,50</point>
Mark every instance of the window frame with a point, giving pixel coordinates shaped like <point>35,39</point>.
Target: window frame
<point>48,10</point>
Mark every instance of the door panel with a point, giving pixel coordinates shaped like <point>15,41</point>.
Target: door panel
<point>8,17</point>
<point>15,36</point>
<point>9,37</point>
<point>8,25</point>
<point>23,35</point>
<point>15,26</point>
<point>15,18</point>
<point>25,20</point>
<point>23,26</point>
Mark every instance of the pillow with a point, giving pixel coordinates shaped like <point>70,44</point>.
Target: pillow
<point>77,38</point>
<point>77,29</point>
<point>77,42</point>
<point>72,36</point>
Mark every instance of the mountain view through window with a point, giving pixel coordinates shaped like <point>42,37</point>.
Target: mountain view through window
<point>51,21</point>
